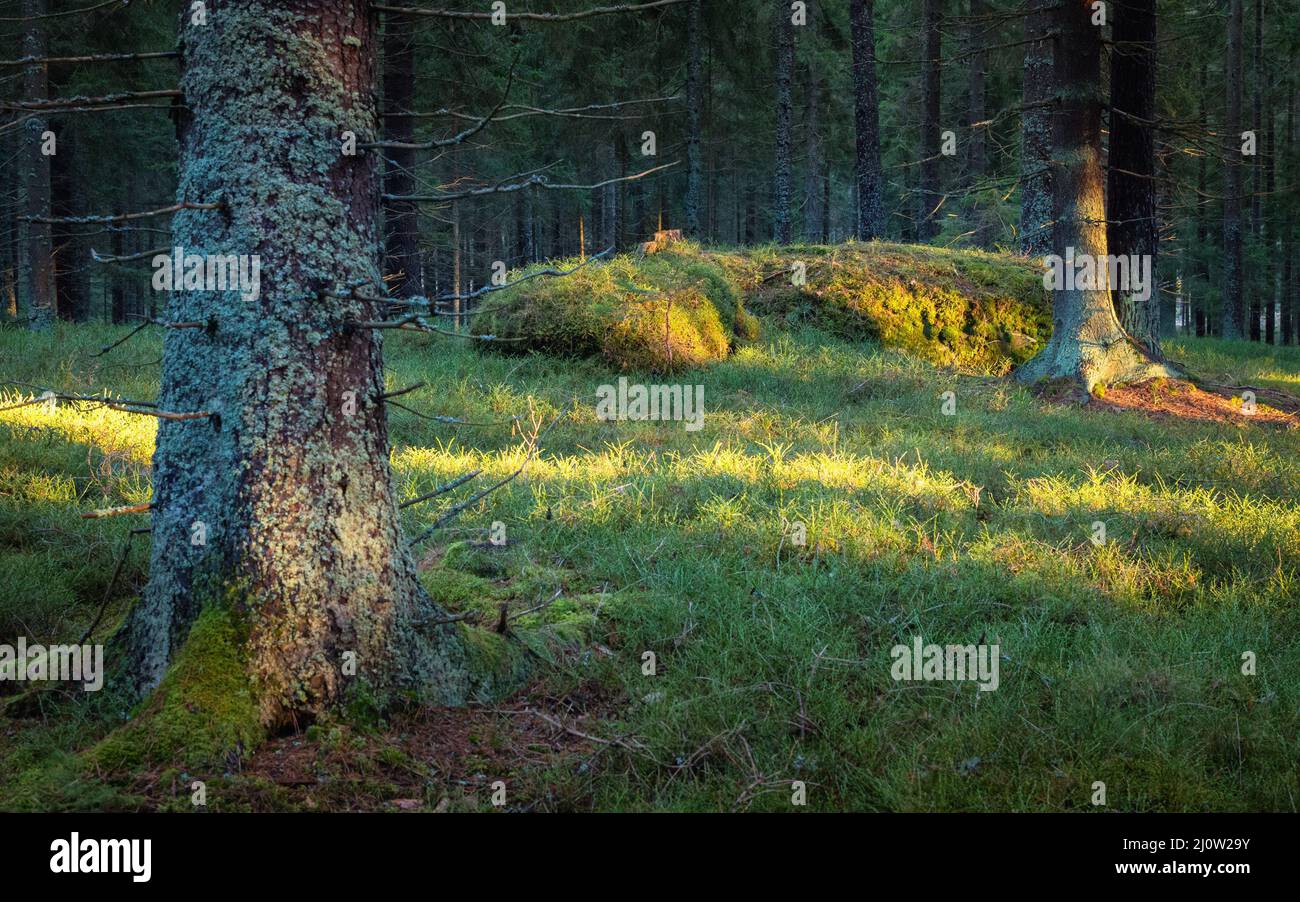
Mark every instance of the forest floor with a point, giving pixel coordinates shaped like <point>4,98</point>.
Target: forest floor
<point>1120,662</point>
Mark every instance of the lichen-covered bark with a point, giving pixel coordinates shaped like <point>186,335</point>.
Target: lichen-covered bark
<point>295,493</point>
<point>1131,191</point>
<point>1036,134</point>
<point>1087,343</point>
<point>37,276</point>
<point>870,216</point>
<point>782,186</point>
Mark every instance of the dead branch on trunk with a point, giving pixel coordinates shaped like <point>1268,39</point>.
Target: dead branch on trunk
<point>122,217</point>
<point>210,326</point>
<point>117,511</point>
<point>488,289</point>
<point>66,12</point>
<point>107,100</point>
<point>92,58</point>
<point>144,408</point>
<point>534,443</point>
<point>441,490</point>
<point>128,258</point>
<point>112,581</point>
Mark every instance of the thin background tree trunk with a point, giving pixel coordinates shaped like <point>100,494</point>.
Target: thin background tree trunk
<point>931,109</point>
<point>1036,194</point>
<point>782,183</point>
<point>402,237</point>
<point>1231,312</point>
<point>869,213</point>
<point>694,92</point>
<point>38,245</point>
<point>1131,194</point>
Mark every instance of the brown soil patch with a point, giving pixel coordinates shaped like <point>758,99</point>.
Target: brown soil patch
<point>1178,399</point>
<point>441,759</point>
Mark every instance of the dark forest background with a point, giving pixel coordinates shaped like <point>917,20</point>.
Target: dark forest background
<point>583,94</point>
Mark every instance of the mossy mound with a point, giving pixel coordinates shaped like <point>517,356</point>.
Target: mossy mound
<point>663,312</point>
<point>203,716</point>
<point>687,307</point>
<point>953,307</point>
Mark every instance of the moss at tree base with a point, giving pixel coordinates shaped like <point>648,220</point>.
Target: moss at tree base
<point>204,714</point>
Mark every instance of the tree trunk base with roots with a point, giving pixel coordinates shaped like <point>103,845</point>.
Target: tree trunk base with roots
<point>1088,343</point>
<point>1113,360</point>
<point>280,585</point>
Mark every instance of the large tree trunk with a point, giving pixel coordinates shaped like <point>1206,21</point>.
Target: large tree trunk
<point>870,214</point>
<point>1132,228</point>
<point>1232,255</point>
<point>1087,344</point>
<point>782,183</point>
<point>292,486</point>
<point>402,238</point>
<point>1036,194</point>
<point>931,86</point>
<point>38,245</point>
<point>694,94</point>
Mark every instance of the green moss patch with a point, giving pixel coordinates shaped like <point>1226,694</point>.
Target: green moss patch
<point>202,716</point>
<point>688,307</point>
<point>963,308</point>
<point>663,312</point>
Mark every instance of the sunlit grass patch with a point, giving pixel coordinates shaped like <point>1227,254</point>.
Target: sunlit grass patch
<point>828,509</point>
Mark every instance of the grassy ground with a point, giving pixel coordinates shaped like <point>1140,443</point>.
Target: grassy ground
<point>1120,663</point>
